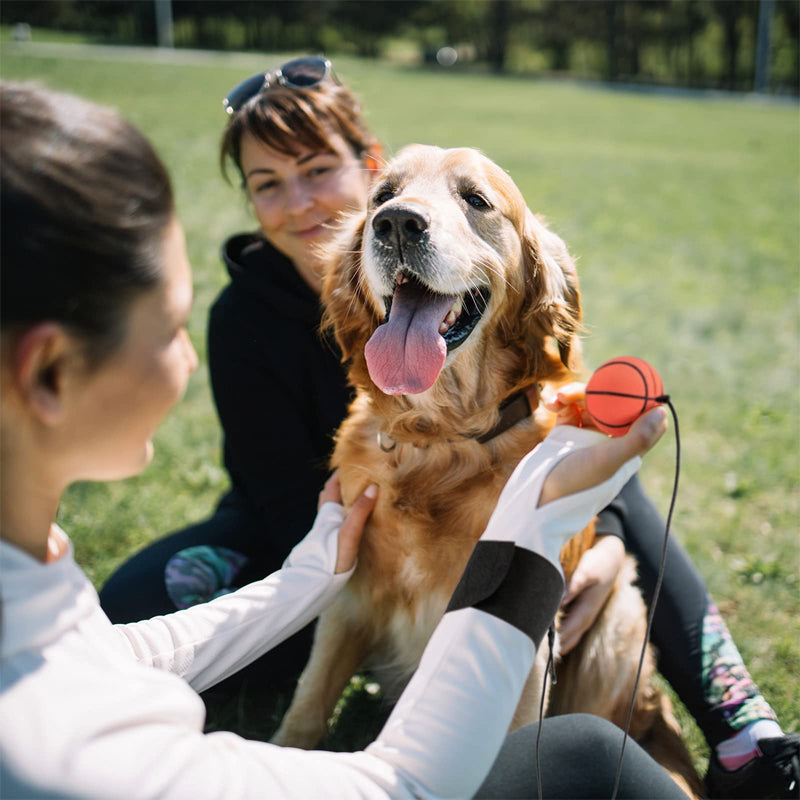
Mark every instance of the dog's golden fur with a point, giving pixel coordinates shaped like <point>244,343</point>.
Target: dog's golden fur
<point>438,483</point>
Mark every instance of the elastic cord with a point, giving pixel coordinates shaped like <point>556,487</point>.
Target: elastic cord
<point>659,580</point>
<point>651,613</point>
<point>549,669</point>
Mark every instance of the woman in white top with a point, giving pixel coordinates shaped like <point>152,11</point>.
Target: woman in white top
<point>96,290</point>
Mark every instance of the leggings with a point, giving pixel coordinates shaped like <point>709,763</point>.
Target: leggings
<point>694,647</point>
<point>578,755</point>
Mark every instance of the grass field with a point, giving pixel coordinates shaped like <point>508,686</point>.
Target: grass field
<point>684,213</point>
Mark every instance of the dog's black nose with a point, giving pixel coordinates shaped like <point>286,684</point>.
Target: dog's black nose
<point>400,224</point>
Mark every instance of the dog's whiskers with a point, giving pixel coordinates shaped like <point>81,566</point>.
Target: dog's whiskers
<point>354,282</point>
<point>358,280</point>
<point>483,265</point>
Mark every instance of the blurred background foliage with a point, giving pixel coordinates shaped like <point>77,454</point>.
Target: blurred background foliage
<point>712,44</point>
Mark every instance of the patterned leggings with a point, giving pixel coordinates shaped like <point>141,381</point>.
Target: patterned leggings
<point>696,653</point>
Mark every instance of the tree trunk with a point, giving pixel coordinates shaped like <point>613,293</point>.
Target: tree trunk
<point>499,28</point>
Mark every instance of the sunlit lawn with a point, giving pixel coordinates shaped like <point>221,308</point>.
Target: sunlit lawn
<point>683,213</point>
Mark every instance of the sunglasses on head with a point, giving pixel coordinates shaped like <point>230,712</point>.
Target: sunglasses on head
<point>299,73</point>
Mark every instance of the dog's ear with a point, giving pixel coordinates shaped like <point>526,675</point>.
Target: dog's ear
<point>346,310</point>
<point>552,295</point>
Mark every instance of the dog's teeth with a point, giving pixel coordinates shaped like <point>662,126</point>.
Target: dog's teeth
<point>401,279</point>
<point>452,315</point>
<point>447,322</point>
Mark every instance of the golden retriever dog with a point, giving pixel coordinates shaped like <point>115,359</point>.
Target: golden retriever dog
<point>454,305</point>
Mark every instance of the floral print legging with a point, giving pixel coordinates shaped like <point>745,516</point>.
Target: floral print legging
<point>696,653</point>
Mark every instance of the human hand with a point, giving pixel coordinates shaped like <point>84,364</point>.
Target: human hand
<point>589,466</point>
<point>556,490</point>
<point>352,528</point>
<point>589,588</point>
<point>568,403</point>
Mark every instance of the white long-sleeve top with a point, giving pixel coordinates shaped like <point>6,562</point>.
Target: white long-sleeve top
<point>94,710</point>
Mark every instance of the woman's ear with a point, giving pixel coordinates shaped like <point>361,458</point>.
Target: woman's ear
<point>38,359</point>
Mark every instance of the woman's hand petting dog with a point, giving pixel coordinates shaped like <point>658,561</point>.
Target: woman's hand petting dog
<point>353,526</point>
<point>589,588</point>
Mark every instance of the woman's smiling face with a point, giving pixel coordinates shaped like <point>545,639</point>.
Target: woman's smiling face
<point>298,198</point>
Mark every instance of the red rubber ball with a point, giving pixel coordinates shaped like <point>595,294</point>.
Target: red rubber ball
<point>620,391</point>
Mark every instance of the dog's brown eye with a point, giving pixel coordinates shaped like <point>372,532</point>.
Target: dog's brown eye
<point>476,201</point>
<point>383,196</point>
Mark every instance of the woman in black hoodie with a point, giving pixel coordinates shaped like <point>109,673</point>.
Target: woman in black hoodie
<point>304,156</point>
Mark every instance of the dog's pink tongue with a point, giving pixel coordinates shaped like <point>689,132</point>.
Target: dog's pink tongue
<point>406,354</point>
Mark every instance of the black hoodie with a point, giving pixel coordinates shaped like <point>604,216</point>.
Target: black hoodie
<point>279,388</point>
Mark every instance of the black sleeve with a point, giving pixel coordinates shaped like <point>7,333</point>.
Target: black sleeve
<point>269,451</point>
<point>611,520</point>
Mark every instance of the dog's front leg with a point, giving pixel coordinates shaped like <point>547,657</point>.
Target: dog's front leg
<point>338,650</point>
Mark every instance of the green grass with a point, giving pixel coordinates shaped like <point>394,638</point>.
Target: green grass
<point>684,215</point>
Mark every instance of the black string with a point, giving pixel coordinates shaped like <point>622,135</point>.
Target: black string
<point>651,614</point>
<point>551,632</point>
<point>550,667</point>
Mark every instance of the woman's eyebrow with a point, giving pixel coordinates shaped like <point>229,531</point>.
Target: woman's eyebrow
<point>300,161</point>
<point>311,156</point>
<point>258,170</point>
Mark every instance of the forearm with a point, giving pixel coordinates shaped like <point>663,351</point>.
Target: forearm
<point>449,725</point>
<point>211,641</point>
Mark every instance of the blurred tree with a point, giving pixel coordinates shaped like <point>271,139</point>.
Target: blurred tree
<point>368,24</point>
<point>681,42</point>
<point>499,29</point>
<point>787,13</point>
<point>766,11</point>
<point>731,13</point>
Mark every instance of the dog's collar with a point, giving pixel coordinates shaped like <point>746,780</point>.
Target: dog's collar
<point>513,409</point>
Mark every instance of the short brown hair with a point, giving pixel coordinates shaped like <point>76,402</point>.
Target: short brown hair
<point>285,118</point>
